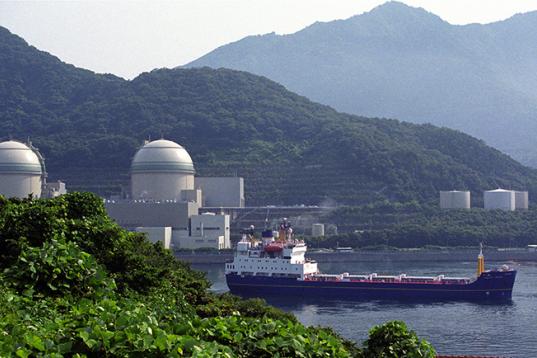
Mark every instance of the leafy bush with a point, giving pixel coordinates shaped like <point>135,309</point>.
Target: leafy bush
<point>58,268</point>
<point>74,283</point>
<point>394,340</point>
<point>59,297</point>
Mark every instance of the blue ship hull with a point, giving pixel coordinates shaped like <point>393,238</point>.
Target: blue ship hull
<point>491,285</point>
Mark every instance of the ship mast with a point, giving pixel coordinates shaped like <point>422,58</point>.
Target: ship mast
<point>480,261</point>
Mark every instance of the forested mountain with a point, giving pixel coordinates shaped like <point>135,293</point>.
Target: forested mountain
<point>402,62</point>
<point>289,149</point>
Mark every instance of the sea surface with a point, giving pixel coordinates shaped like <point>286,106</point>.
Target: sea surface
<point>506,330</point>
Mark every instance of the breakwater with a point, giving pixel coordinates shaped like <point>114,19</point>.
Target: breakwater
<point>521,255</point>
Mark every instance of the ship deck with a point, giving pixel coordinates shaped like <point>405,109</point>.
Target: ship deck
<point>403,279</point>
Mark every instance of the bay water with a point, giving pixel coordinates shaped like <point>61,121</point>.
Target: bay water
<point>506,330</point>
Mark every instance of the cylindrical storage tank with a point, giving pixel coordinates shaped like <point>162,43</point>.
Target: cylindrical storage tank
<point>521,200</point>
<point>317,230</point>
<point>160,170</point>
<point>500,199</point>
<point>20,170</point>
<point>455,199</point>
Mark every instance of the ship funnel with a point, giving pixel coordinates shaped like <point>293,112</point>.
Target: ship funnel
<point>480,261</point>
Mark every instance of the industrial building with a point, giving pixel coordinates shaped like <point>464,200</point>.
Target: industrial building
<point>137,213</point>
<point>506,199</point>
<point>23,172</point>
<point>521,200</point>
<point>499,199</point>
<point>221,191</point>
<point>161,170</point>
<point>166,197</point>
<point>455,199</point>
<point>20,170</point>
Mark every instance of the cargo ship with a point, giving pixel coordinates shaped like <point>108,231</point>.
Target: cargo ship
<point>276,266</point>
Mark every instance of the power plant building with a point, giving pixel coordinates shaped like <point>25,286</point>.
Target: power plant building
<point>455,199</point>
<point>21,172</point>
<point>210,230</point>
<point>221,191</point>
<point>161,170</point>
<point>166,197</point>
<point>137,213</point>
<point>499,199</point>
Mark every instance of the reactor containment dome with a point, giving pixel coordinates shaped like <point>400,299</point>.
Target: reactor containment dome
<point>20,170</point>
<point>160,170</point>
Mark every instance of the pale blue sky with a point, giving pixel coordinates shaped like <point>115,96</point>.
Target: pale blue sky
<point>129,37</point>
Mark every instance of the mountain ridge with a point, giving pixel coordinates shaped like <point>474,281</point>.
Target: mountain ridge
<point>290,150</point>
<point>476,78</point>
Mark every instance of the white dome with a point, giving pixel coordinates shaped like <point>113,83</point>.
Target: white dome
<point>162,156</point>
<point>18,158</point>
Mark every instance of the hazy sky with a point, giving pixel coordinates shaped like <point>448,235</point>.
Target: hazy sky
<point>129,37</point>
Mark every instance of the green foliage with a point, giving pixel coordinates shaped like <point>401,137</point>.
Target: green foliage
<point>227,304</point>
<point>58,268</point>
<point>414,225</point>
<point>394,340</point>
<point>59,297</point>
<point>289,149</point>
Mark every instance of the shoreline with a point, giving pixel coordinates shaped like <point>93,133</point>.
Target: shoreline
<point>372,256</point>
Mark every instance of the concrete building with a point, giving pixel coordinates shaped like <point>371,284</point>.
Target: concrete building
<point>21,170</point>
<point>53,190</point>
<point>221,191</point>
<point>158,234</point>
<point>203,242</point>
<point>521,200</point>
<point>138,213</point>
<point>317,230</point>
<point>160,170</point>
<point>205,231</point>
<point>194,195</point>
<point>455,199</point>
<point>500,199</point>
<point>210,230</point>
<point>166,203</point>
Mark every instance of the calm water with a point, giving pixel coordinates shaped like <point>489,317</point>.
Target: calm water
<point>508,330</point>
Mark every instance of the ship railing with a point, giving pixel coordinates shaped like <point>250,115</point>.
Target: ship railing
<point>262,274</point>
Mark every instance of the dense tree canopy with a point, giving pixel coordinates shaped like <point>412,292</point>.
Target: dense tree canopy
<point>73,283</point>
<point>289,149</point>
<point>413,224</point>
<point>402,62</point>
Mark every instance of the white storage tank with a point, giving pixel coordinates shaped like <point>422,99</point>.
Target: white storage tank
<point>521,200</point>
<point>317,230</point>
<point>20,170</point>
<point>500,199</point>
<point>160,170</point>
<point>455,199</point>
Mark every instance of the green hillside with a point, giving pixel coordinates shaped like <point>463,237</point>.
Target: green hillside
<point>403,62</point>
<point>289,149</point>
